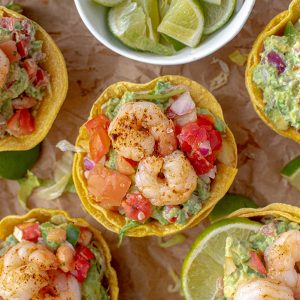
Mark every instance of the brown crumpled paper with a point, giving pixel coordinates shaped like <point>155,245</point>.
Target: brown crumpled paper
<point>142,266</point>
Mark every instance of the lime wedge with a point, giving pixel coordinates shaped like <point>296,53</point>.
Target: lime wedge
<point>152,17</point>
<point>163,6</point>
<point>228,204</point>
<point>108,3</point>
<point>14,164</point>
<point>184,22</point>
<point>217,2</point>
<point>217,16</point>
<point>203,265</point>
<point>292,172</point>
<point>177,45</point>
<point>127,22</point>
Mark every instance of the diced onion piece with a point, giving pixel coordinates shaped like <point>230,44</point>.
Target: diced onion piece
<point>88,164</point>
<point>205,148</point>
<point>187,118</point>
<point>183,105</point>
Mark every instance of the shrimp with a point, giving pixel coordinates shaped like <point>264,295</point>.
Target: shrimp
<point>136,129</point>
<point>179,182</point>
<point>61,287</point>
<point>24,270</point>
<point>281,258</point>
<point>4,68</point>
<point>263,289</point>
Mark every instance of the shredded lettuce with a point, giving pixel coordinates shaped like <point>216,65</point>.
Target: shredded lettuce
<point>222,78</point>
<point>15,7</point>
<point>65,146</point>
<point>27,185</point>
<point>129,225</point>
<point>176,287</point>
<point>173,241</point>
<point>62,177</point>
<point>157,214</point>
<point>218,122</point>
<point>238,58</point>
<point>9,242</point>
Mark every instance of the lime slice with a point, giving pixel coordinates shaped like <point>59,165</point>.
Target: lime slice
<point>217,16</point>
<point>108,3</point>
<point>203,265</point>
<point>184,22</point>
<point>127,22</point>
<point>151,10</point>
<point>217,2</point>
<point>177,45</point>
<point>14,164</point>
<point>228,204</point>
<point>292,172</point>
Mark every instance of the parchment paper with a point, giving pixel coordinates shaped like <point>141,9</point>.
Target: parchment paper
<point>142,266</point>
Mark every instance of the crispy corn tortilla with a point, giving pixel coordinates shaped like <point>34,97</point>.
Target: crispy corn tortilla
<point>275,27</point>
<point>226,169</point>
<point>43,215</point>
<point>55,65</point>
<point>276,209</point>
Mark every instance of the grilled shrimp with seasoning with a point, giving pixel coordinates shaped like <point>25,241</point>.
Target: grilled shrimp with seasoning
<point>168,180</point>
<point>263,289</point>
<point>4,68</point>
<point>24,272</point>
<point>138,128</point>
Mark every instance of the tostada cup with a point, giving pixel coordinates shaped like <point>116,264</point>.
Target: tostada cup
<point>58,249</point>
<point>170,131</point>
<point>33,82</point>
<point>273,73</point>
<point>252,254</point>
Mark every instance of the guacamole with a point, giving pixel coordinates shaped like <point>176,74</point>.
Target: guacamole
<point>278,75</point>
<point>240,264</point>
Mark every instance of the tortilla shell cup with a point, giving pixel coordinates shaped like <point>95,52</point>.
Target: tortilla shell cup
<point>275,27</point>
<point>225,175</point>
<point>290,212</point>
<point>55,65</point>
<point>43,215</point>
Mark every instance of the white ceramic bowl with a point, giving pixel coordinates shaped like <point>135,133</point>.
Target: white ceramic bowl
<point>95,18</point>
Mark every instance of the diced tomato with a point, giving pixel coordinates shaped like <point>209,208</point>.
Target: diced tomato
<point>109,187</point>
<point>123,166</point>
<point>137,207</point>
<point>256,264</point>
<point>215,140</point>
<point>21,123</point>
<point>26,121</point>
<point>24,102</point>
<point>10,50</point>
<point>205,120</point>
<point>85,252</point>
<point>23,48</point>
<point>8,23</point>
<point>42,78</point>
<point>100,121</point>
<point>200,164</point>
<point>81,268</point>
<point>191,137</point>
<point>31,68</point>
<point>99,144</point>
<point>30,231</point>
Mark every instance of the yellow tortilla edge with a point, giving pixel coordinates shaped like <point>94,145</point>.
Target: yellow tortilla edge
<point>55,65</point>
<point>8,223</point>
<point>275,209</point>
<point>225,176</point>
<point>275,26</point>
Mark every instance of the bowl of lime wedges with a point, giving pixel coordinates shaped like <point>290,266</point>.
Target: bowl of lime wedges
<point>164,32</point>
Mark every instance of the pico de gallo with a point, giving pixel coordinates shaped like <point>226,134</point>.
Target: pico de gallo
<point>111,177</point>
<point>23,81</point>
<point>76,253</point>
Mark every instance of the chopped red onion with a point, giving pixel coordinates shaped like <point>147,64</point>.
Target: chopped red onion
<point>88,163</point>
<point>183,105</point>
<point>205,148</point>
<point>187,118</point>
<point>276,60</point>
<point>86,174</point>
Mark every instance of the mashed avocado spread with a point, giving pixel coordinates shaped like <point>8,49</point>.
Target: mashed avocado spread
<point>278,75</point>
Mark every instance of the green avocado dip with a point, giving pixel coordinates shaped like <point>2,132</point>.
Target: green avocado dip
<point>244,259</point>
<point>278,75</point>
